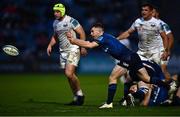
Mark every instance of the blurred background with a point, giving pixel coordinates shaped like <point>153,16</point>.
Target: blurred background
<point>27,24</point>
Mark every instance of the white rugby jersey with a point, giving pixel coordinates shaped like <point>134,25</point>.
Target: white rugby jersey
<point>60,29</point>
<point>166,29</point>
<point>148,32</point>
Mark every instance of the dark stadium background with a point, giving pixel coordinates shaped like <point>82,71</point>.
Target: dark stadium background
<point>27,24</point>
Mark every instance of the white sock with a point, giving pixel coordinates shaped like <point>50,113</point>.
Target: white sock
<point>75,98</point>
<point>79,93</point>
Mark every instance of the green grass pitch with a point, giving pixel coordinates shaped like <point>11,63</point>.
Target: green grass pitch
<point>46,94</point>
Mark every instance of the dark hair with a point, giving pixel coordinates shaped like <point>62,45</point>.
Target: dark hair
<point>151,7</point>
<point>178,78</point>
<point>98,25</point>
<point>157,9</point>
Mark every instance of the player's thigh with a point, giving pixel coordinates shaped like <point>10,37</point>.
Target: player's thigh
<point>63,59</point>
<point>156,57</point>
<point>143,75</point>
<point>72,61</point>
<point>70,69</point>
<point>69,57</point>
<point>73,57</point>
<point>117,72</point>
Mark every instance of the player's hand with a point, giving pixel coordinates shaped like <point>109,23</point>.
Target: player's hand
<point>69,36</point>
<point>49,49</point>
<point>83,51</point>
<point>165,55</point>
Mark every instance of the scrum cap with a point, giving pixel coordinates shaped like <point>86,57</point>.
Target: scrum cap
<point>60,7</point>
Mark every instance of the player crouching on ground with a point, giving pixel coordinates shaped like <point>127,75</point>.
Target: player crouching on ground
<point>146,94</point>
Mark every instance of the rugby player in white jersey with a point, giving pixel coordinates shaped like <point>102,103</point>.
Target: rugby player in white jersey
<point>164,63</point>
<point>170,43</point>
<point>69,54</point>
<point>149,28</point>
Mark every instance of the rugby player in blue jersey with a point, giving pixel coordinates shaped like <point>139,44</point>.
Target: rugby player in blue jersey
<point>148,94</point>
<point>127,59</point>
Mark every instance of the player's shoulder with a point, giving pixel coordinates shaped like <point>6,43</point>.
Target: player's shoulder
<point>163,23</point>
<point>55,22</point>
<point>165,26</point>
<point>67,18</point>
<point>106,35</point>
<point>157,21</point>
<point>139,20</point>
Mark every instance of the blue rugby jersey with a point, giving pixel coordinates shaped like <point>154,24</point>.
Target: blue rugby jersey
<point>112,46</point>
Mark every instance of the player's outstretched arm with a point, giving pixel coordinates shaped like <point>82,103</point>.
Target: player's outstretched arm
<point>81,43</point>
<point>170,41</point>
<point>125,34</point>
<point>165,43</point>
<point>82,36</point>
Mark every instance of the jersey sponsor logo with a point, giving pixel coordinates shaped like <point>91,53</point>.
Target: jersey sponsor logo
<point>153,25</point>
<point>65,25</point>
<point>140,25</point>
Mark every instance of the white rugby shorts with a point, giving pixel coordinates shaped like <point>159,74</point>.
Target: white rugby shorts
<point>69,57</point>
<point>153,55</point>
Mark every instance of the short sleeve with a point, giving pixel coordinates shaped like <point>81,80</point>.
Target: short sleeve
<point>54,25</point>
<point>135,24</point>
<point>166,28</point>
<point>160,27</point>
<point>74,23</point>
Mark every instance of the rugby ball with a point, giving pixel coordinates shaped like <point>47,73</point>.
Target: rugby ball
<point>11,50</point>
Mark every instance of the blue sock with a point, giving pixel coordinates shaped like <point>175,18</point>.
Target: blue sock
<point>111,92</point>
